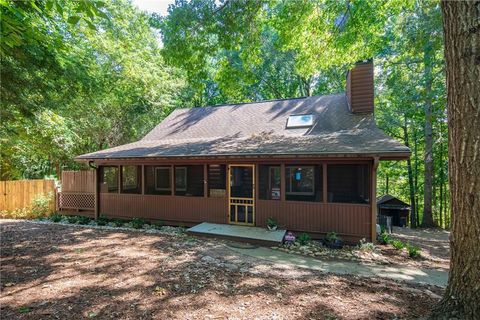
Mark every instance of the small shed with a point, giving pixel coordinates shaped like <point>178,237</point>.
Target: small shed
<point>390,206</point>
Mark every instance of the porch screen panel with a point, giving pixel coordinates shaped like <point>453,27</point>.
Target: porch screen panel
<point>348,183</point>
<point>217,180</point>
<point>131,179</point>
<point>158,180</point>
<point>304,183</point>
<point>108,179</point>
<point>189,180</point>
<point>269,182</point>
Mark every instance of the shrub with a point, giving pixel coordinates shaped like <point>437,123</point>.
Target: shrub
<point>413,251</point>
<point>384,238</point>
<point>304,238</point>
<point>39,207</point>
<point>366,246</point>
<point>55,217</point>
<point>118,223</point>
<point>138,223</point>
<point>158,224</point>
<point>72,219</point>
<point>83,220</point>
<point>332,237</point>
<point>272,223</point>
<point>397,244</point>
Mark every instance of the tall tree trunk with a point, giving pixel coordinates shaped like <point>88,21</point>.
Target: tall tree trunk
<point>462,57</point>
<point>413,218</point>
<point>415,182</point>
<point>428,174</point>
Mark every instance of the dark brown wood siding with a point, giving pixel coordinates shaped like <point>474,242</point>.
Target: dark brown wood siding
<point>188,210</point>
<point>360,88</point>
<point>351,221</point>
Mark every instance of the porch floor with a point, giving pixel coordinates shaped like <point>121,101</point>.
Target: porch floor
<point>241,233</point>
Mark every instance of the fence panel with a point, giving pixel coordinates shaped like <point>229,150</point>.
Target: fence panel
<point>19,194</point>
<point>78,181</point>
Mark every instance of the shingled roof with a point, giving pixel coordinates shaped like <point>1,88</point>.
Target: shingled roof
<point>259,129</point>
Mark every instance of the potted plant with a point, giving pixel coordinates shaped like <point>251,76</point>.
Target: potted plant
<point>333,241</point>
<point>272,224</point>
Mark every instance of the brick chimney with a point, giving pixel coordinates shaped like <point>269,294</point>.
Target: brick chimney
<point>360,87</point>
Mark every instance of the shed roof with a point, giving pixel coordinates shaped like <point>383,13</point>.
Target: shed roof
<point>388,201</point>
<point>259,128</point>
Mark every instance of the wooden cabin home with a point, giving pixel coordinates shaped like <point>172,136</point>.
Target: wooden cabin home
<point>310,163</point>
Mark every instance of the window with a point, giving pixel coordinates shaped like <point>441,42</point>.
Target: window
<point>304,183</point>
<point>348,183</point>
<point>180,179</point>
<point>300,180</point>
<point>269,182</point>
<point>300,121</point>
<point>109,179</point>
<point>217,180</point>
<point>189,181</point>
<point>162,178</point>
<point>131,177</point>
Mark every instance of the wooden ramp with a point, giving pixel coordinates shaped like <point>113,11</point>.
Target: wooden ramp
<point>238,233</point>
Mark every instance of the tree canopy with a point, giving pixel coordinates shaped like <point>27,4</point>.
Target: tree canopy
<point>85,75</point>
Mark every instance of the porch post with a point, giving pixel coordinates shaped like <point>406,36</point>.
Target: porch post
<point>324,182</point>
<point>373,197</point>
<point>172,182</point>
<point>143,179</point>
<point>282,182</point>
<point>205,181</point>
<point>97,194</point>
<point>119,182</point>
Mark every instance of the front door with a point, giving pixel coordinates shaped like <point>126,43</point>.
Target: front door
<point>241,196</point>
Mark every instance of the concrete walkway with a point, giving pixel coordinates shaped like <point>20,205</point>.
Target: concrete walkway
<point>408,274</point>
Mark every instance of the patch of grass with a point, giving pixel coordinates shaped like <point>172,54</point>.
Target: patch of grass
<point>24,309</point>
<point>304,238</point>
<point>413,251</point>
<point>397,244</point>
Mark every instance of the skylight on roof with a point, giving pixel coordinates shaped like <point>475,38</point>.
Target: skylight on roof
<point>300,121</point>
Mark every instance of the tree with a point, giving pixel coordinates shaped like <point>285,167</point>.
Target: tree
<point>462,56</point>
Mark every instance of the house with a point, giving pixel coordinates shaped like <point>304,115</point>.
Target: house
<point>309,162</point>
<point>390,206</point>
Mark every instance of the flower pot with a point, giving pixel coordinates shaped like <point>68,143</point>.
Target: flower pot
<point>272,228</point>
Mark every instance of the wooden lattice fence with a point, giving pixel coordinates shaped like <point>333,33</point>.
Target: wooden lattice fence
<point>77,191</point>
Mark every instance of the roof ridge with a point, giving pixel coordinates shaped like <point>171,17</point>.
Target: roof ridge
<point>261,101</point>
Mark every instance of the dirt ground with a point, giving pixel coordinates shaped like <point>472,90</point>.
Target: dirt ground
<point>434,245</point>
<point>64,272</point>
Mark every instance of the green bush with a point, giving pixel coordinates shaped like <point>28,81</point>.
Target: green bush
<point>397,244</point>
<point>366,246</point>
<point>118,223</point>
<point>332,237</point>
<point>83,220</point>
<point>72,219</point>
<point>138,223</point>
<point>413,251</point>
<point>304,238</point>
<point>384,238</point>
<point>158,224</point>
<point>38,208</point>
<point>56,217</point>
